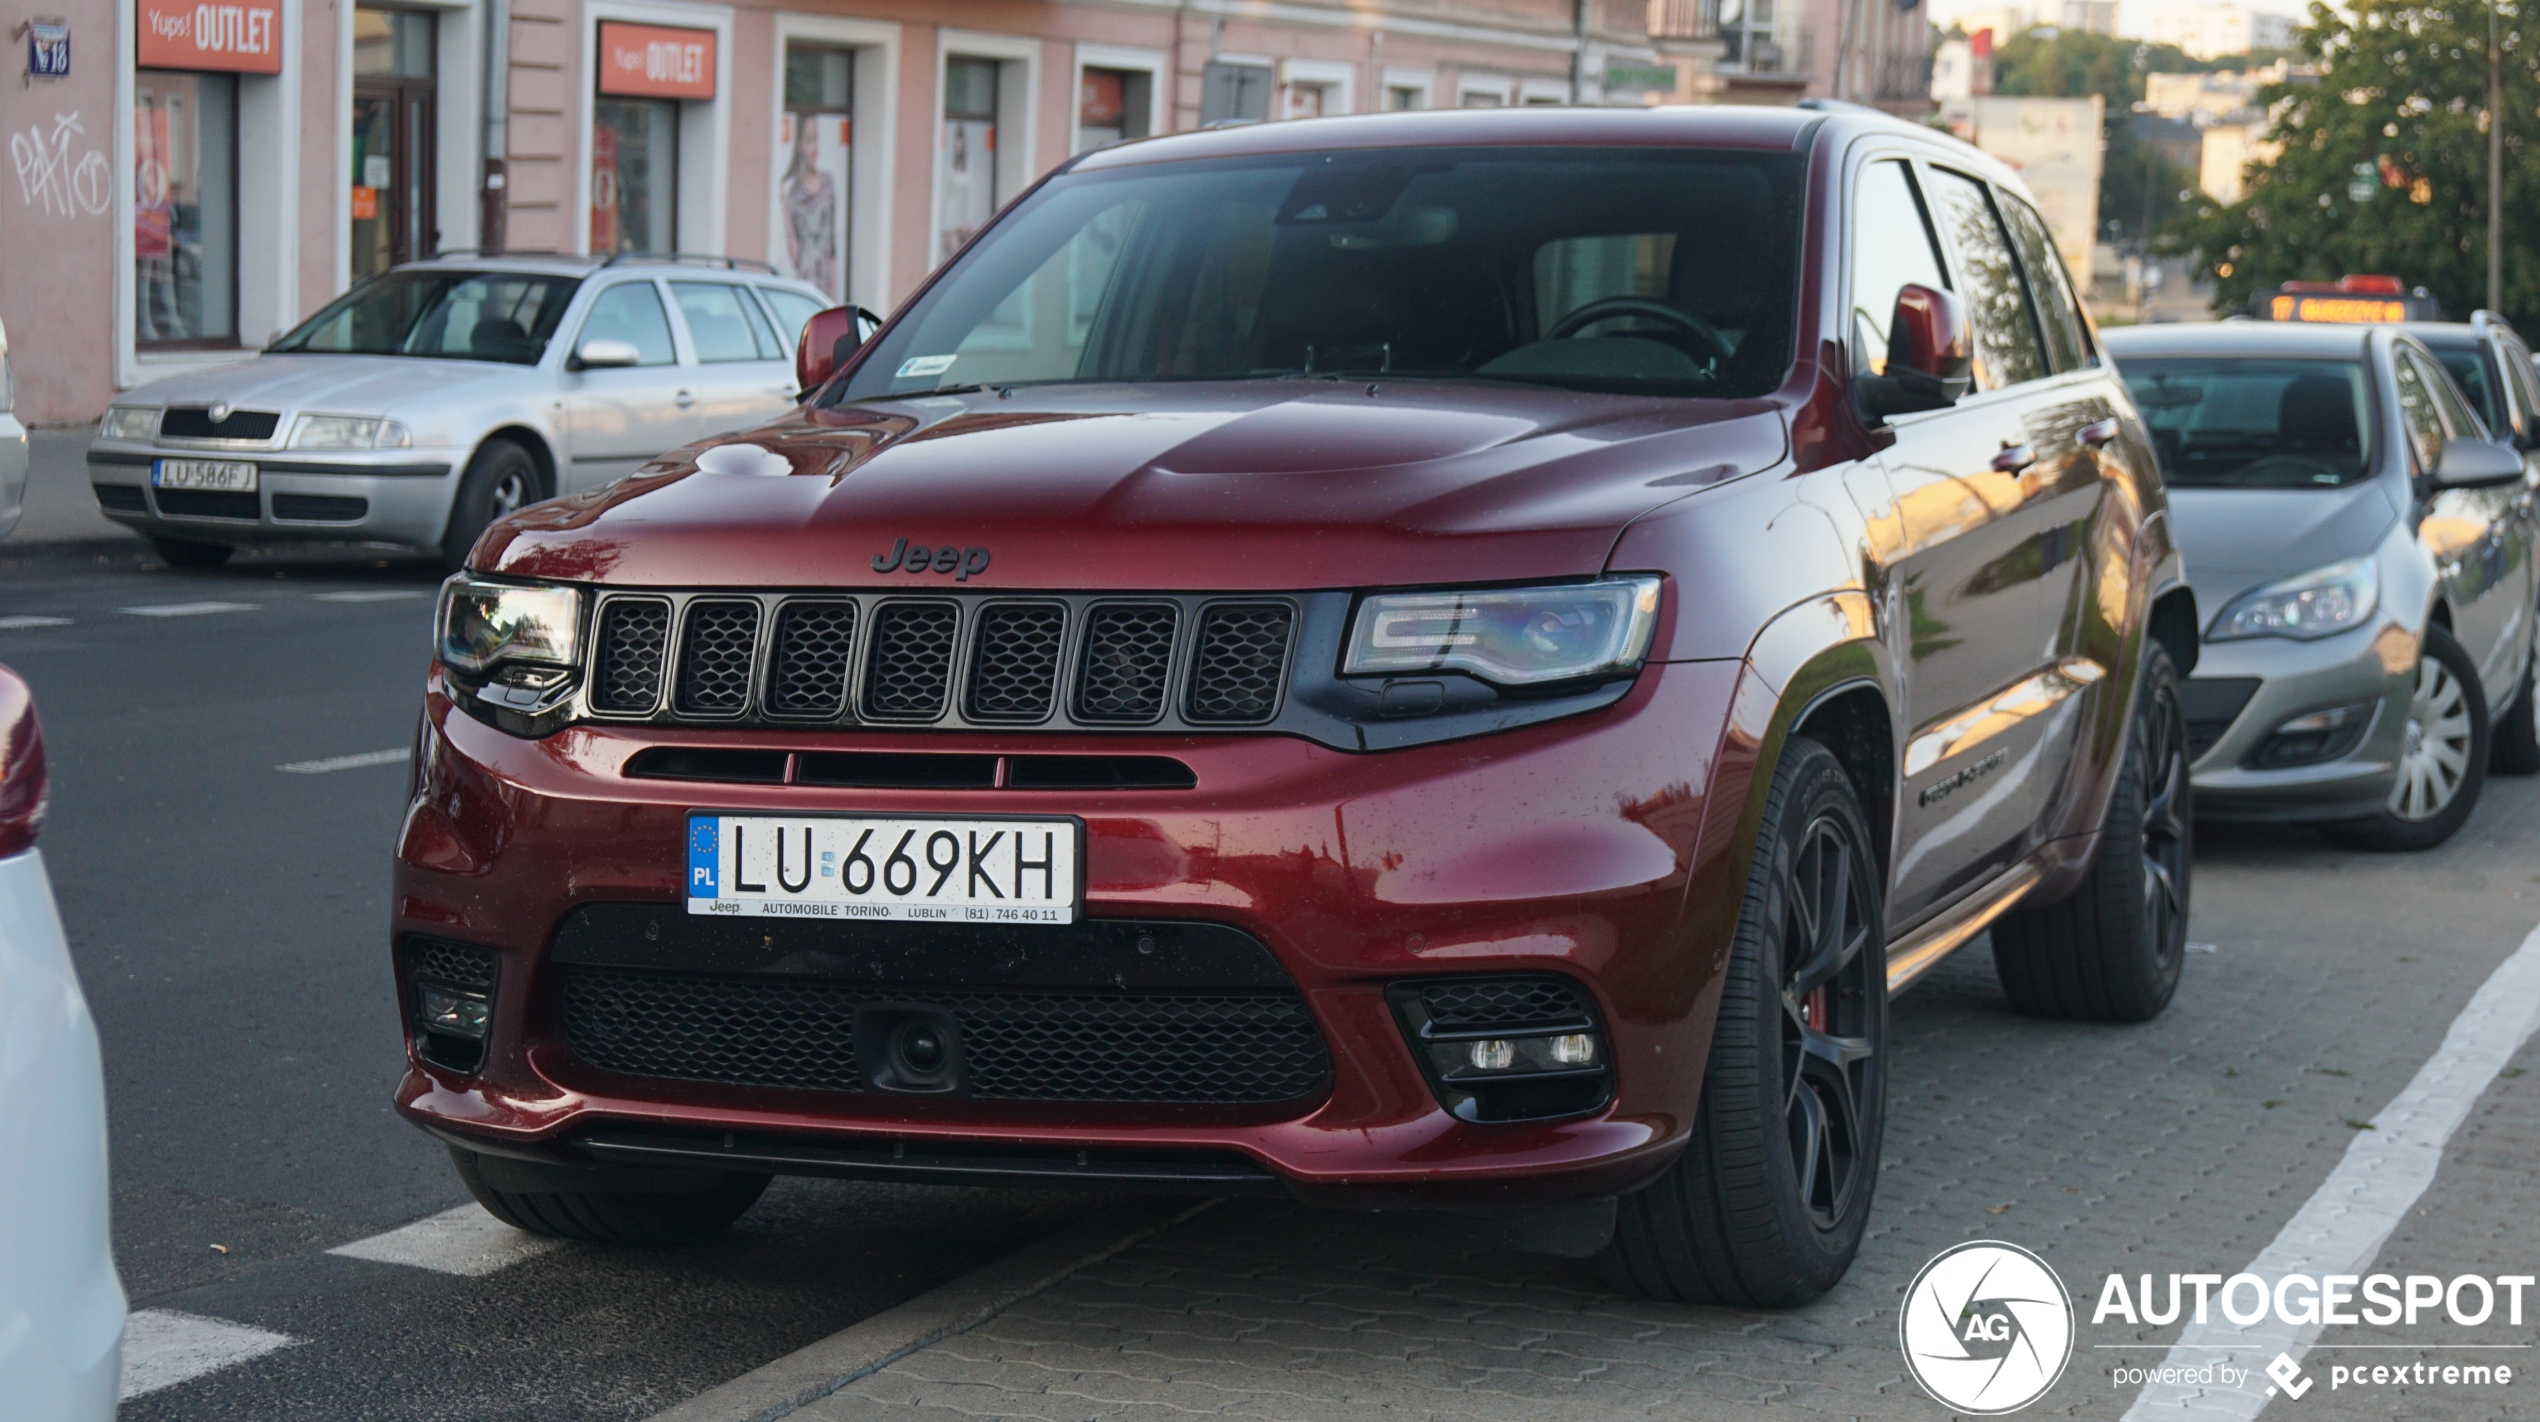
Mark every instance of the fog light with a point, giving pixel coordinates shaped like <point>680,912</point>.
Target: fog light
<point>452,1014</point>
<point>1578,1049</point>
<point>1494,1055</point>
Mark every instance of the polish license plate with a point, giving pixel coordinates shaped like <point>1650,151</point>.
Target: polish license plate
<point>926,868</point>
<point>228,476</point>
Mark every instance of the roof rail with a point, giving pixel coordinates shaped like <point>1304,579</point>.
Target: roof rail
<point>693,259</point>
<point>497,252</point>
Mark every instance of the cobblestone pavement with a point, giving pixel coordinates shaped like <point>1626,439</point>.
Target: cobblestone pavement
<point>2178,1146</point>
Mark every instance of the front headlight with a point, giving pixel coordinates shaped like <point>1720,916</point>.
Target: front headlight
<point>484,625</point>
<point>1512,636</point>
<point>129,422</point>
<point>349,432</point>
<point>2316,604</point>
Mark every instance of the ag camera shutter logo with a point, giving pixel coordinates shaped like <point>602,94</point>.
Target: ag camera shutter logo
<point>1987,1328</point>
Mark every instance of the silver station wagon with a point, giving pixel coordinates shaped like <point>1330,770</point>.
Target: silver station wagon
<point>433,399</point>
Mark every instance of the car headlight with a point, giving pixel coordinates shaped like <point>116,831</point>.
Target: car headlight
<point>484,625</point>
<point>349,432</point>
<point>2315,604</point>
<point>129,422</point>
<point>1512,636</point>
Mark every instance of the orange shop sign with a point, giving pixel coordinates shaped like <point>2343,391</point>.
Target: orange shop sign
<point>656,61</point>
<point>238,36</point>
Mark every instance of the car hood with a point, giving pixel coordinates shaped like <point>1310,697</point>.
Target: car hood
<point>1256,484</point>
<point>335,384</point>
<point>2234,540</point>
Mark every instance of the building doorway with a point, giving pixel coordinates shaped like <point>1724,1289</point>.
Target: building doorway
<point>395,124</point>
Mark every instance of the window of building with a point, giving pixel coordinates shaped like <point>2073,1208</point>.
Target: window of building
<point>814,151</point>
<point>1309,100</point>
<point>394,120</point>
<point>1481,99</point>
<point>635,175</point>
<point>1746,36</point>
<point>1399,97</point>
<point>185,208</point>
<point>2007,349</point>
<point>1112,104</point>
<point>1234,91</point>
<point>967,156</point>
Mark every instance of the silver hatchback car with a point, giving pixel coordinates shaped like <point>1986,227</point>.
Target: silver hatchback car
<point>2367,548</point>
<point>430,400</point>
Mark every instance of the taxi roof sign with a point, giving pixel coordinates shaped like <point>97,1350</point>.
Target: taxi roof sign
<point>2347,301</point>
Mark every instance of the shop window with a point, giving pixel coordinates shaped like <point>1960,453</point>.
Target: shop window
<point>394,121</point>
<point>1112,104</point>
<point>635,175</point>
<point>814,150</point>
<point>968,152</point>
<point>1399,97</point>
<point>185,208</point>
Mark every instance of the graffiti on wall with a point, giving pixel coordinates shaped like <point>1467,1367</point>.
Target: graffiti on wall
<point>56,180</point>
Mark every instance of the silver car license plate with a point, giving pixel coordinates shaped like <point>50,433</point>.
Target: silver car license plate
<point>227,476</point>
<point>908,868</point>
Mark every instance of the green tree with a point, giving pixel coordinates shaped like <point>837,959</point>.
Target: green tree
<point>2384,165</point>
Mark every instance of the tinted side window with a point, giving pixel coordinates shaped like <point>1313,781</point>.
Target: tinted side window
<point>1891,249</point>
<point>632,312</point>
<point>2006,339</point>
<point>2468,369</point>
<point>2417,409</point>
<point>2458,418</point>
<point>2050,286</point>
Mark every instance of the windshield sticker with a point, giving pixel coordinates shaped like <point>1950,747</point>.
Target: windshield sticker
<point>925,365</point>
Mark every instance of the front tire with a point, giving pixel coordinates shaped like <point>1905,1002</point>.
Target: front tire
<point>2112,950</point>
<point>1766,1206</point>
<point>2516,750</point>
<point>502,478</point>
<point>2442,765</point>
<point>648,1217</point>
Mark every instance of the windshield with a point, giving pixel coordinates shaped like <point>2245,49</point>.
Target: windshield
<point>496,316</point>
<point>1639,272</point>
<point>2254,424</point>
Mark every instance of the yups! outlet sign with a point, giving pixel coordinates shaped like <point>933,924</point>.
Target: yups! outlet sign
<point>656,61</point>
<point>236,36</point>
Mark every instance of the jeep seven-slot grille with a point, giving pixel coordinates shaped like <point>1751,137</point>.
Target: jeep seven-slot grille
<point>1216,1048</point>
<point>952,659</point>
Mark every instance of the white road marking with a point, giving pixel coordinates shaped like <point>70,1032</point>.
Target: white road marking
<point>344,762</point>
<point>189,609</point>
<point>383,595</point>
<point>465,1241</point>
<point>162,1348</point>
<point>12,624</point>
<point>2341,1227</point>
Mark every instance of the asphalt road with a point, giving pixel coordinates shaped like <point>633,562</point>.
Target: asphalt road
<point>229,923</point>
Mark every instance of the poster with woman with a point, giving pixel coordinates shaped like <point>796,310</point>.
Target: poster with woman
<point>811,192</point>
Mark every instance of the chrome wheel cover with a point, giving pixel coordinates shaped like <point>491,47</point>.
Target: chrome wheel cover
<point>2435,759</point>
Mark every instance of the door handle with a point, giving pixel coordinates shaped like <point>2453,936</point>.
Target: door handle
<point>2097,435</point>
<point>2013,459</point>
<point>683,399</point>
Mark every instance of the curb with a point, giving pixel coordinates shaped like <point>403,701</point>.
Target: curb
<point>811,1373</point>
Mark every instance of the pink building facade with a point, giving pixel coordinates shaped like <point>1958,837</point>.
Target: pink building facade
<point>207,174</point>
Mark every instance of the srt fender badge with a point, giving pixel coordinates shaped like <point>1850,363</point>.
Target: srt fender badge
<point>905,558</point>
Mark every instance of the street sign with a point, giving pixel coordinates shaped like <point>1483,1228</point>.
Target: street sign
<point>48,48</point>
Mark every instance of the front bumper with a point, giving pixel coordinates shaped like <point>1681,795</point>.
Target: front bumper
<point>364,496</point>
<point>2375,664</point>
<point>1568,849</point>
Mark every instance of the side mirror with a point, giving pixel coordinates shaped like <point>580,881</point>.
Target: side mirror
<point>1930,351</point>
<point>2476,464</point>
<point>827,340</point>
<point>601,353</point>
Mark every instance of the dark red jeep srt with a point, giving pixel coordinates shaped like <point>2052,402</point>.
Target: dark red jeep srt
<point>1439,661</point>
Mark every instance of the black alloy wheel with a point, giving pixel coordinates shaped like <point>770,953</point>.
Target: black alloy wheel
<point>1830,1063</point>
<point>1766,1206</point>
<point>2113,949</point>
